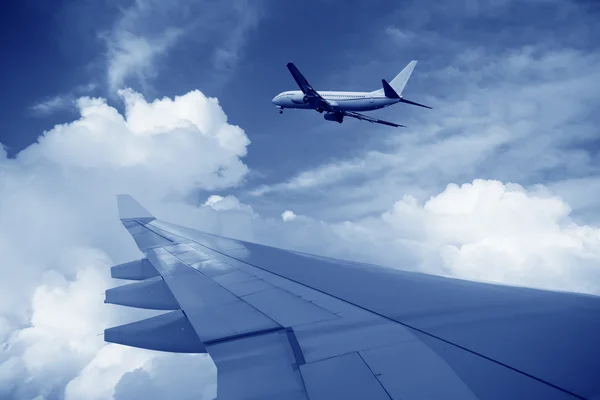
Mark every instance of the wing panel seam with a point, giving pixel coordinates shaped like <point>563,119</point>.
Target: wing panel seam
<point>243,335</point>
<point>374,376</point>
<point>145,226</point>
<point>224,288</point>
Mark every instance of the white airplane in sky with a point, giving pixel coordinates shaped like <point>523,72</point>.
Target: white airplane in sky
<point>338,105</point>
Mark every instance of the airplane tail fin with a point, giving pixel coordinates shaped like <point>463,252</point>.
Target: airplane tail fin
<point>393,89</point>
<point>399,82</point>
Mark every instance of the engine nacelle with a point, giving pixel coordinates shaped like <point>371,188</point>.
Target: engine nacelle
<point>337,117</point>
<point>299,99</point>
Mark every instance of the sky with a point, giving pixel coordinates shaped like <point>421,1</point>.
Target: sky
<point>171,103</point>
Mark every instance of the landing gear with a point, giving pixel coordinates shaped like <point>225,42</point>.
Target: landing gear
<point>281,111</point>
<point>319,110</point>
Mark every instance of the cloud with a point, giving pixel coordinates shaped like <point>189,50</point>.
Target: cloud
<point>59,234</point>
<point>169,378</point>
<point>220,203</point>
<point>484,230</point>
<point>226,56</point>
<point>490,231</point>
<point>130,54</point>
<point>402,37</point>
<point>158,141</point>
<point>288,215</point>
<point>149,29</point>
<point>142,34</point>
<point>66,318</point>
<point>60,102</point>
<point>49,106</point>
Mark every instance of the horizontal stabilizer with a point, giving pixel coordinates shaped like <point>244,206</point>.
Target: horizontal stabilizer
<point>170,332</point>
<point>414,103</point>
<point>129,208</point>
<point>151,294</point>
<point>137,270</point>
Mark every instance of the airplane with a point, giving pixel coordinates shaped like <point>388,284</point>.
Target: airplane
<point>338,105</point>
<point>282,324</point>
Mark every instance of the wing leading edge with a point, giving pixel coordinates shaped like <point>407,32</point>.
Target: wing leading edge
<point>283,324</point>
<point>314,97</point>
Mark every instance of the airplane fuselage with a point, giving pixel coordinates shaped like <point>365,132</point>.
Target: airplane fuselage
<point>342,101</point>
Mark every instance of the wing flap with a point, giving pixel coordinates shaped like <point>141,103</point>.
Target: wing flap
<point>262,366</point>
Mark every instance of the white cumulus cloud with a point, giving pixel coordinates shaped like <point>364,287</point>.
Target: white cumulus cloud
<point>59,234</point>
<point>288,215</point>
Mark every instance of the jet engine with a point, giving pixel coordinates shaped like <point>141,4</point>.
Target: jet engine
<point>299,99</point>
<point>339,117</point>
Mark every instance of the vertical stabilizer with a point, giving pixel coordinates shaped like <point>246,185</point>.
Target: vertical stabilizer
<point>399,82</point>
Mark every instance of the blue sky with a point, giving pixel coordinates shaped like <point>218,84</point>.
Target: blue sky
<point>171,103</point>
<point>350,47</point>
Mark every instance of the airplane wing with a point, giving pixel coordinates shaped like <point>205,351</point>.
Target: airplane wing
<point>371,119</point>
<point>282,324</point>
<point>308,90</point>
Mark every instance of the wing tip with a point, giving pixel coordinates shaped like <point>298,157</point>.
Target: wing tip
<point>129,208</point>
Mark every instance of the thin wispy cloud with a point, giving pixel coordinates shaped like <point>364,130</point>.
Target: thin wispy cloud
<point>226,56</point>
<point>61,102</point>
<point>49,106</point>
<point>135,56</point>
<point>143,33</point>
<point>149,30</point>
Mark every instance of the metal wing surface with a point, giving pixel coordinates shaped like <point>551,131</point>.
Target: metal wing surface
<point>281,324</point>
<point>363,117</point>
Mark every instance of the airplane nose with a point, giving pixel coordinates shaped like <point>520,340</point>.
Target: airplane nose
<point>275,99</point>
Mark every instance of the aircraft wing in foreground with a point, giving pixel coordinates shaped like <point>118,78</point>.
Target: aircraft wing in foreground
<point>281,324</point>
